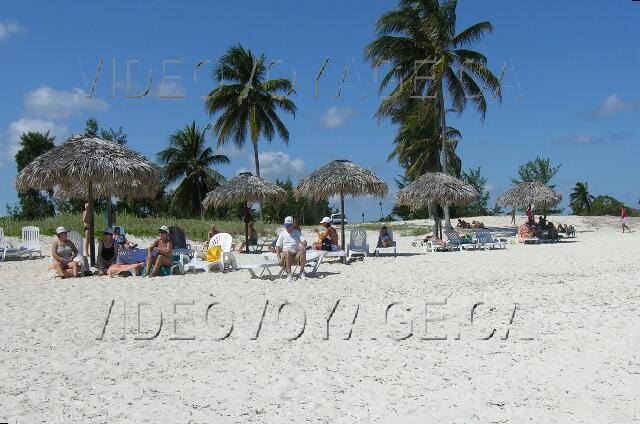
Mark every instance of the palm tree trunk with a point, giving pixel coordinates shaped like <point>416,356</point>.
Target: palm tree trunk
<point>257,161</point>
<point>443,150</point>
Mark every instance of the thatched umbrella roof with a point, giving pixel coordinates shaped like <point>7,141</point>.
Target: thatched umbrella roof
<point>530,193</point>
<point>244,188</point>
<point>112,169</point>
<point>90,167</point>
<point>437,188</point>
<point>341,177</point>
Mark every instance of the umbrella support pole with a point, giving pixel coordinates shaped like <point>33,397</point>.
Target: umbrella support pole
<point>246,229</point>
<point>92,245</point>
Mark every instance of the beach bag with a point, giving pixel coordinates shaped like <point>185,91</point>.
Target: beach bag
<point>214,253</point>
<point>326,244</point>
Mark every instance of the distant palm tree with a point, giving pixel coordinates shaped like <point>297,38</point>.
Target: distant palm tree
<point>188,158</point>
<point>247,101</point>
<point>581,200</point>
<point>419,40</point>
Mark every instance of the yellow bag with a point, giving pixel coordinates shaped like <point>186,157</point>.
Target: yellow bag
<point>214,253</point>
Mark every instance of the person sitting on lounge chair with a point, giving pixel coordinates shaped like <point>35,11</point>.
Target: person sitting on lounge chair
<point>253,238</point>
<point>327,239</point>
<point>291,248</point>
<point>477,224</point>
<point>162,249</point>
<point>121,240</point>
<point>542,223</point>
<point>384,239</point>
<point>63,253</point>
<point>107,251</point>
<point>213,230</point>
<point>463,224</point>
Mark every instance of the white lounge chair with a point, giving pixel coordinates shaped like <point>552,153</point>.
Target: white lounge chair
<point>223,240</point>
<point>7,251</point>
<point>358,245</point>
<point>433,247</point>
<point>313,259</point>
<point>456,242</point>
<point>391,249</point>
<point>486,240</point>
<point>31,241</point>
<point>78,242</point>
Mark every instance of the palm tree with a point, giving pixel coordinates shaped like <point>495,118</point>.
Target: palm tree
<point>418,146</point>
<point>580,198</point>
<point>188,159</point>
<point>247,101</point>
<point>419,40</point>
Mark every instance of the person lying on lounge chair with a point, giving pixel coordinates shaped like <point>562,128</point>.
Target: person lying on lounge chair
<point>434,239</point>
<point>525,231</point>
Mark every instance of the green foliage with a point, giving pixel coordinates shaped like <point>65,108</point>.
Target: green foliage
<point>33,203</point>
<point>420,30</point>
<point>308,210</point>
<point>581,200</point>
<point>196,229</point>
<point>539,169</point>
<point>188,160</point>
<point>247,101</point>
<point>605,205</point>
<point>92,129</point>
<point>479,207</point>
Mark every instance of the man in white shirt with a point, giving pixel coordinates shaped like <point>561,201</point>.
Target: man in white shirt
<point>291,248</point>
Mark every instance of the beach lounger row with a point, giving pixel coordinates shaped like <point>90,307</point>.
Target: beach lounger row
<point>483,241</point>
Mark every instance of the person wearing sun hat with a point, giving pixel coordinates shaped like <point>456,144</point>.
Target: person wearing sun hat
<point>291,248</point>
<point>160,252</point>
<point>326,238</point>
<point>63,253</point>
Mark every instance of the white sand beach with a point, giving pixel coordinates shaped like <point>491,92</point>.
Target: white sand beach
<point>571,354</point>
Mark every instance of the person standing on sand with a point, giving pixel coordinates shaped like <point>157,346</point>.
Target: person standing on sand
<point>513,216</point>
<point>530,214</point>
<point>623,219</point>
<point>85,225</point>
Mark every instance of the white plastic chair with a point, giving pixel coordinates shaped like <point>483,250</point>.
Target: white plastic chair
<point>31,240</point>
<point>223,240</point>
<point>358,243</point>
<point>391,249</point>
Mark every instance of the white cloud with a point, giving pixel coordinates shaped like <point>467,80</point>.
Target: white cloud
<point>49,103</point>
<point>614,105</point>
<point>579,140</point>
<point>336,117</point>
<point>277,165</point>
<point>17,128</point>
<point>8,28</point>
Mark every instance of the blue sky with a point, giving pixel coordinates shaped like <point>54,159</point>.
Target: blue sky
<point>571,90</point>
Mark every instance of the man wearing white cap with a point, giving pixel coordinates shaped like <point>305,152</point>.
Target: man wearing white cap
<point>291,248</point>
<point>162,249</point>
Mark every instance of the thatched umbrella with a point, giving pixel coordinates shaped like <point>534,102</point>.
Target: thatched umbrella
<point>341,177</point>
<point>246,188</point>
<point>437,188</point>
<point>91,168</point>
<point>530,193</point>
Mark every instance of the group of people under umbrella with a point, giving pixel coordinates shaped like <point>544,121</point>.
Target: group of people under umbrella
<point>90,168</point>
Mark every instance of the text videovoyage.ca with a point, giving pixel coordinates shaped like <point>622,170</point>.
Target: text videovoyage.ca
<point>338,319</point>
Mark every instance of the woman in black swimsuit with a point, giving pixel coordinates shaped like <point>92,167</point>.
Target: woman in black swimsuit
<point>107,251</point>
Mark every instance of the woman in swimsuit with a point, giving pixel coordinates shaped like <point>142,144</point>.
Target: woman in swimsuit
<point>107,251</point>
<point>163,251</point>
<point>63,253</point>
